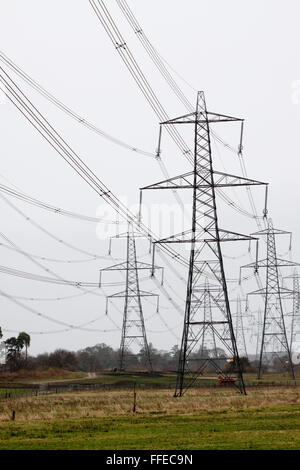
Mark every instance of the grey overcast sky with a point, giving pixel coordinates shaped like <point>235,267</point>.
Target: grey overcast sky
<point>245,56</point>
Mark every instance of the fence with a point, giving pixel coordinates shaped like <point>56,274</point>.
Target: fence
<point>21,390</point>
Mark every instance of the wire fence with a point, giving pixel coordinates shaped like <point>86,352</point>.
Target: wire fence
<point>47,389</point>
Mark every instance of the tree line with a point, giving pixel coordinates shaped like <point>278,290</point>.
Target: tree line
<point>94,358</point>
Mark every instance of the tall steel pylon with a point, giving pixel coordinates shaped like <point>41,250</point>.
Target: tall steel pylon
<point>204,236</point>
<point>274,342</point>
<point>133,328</point>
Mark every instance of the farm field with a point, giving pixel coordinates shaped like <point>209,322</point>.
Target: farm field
<point>57,376</point>
<point>267,418</point>
<point>51,374</point>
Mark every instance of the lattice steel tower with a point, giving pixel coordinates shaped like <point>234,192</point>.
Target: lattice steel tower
<point>295,315</point>
<point>206,258</point>
<point>133,328</point>
<point>209,344</point>
<point>295,324</point>
<point>240,328</point>
<point>274,342</point>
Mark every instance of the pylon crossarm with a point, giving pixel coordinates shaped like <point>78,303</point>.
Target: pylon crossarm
<point>234,180</point>
<point>188,237</point>
<point>273,230</point>
<point>263,263</point>
<point>227,236</point>
<point>115,267</point>
<point>184,181</point>
<point>285,263</point>
<point>182,237</point>
<point>205,117</point>
<point>184,118</point>
<point>125,235</point>
<point>281,290</point>
<point>147,266</point>
<point>256,264</point>
<point>125,267</point>
<point>128,294</point>
<point>292,276</point>
<point>216,117</point>
<point>280,263</point>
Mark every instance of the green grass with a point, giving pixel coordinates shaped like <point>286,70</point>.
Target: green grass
<point>57,377</point>
<point>28,376</point>
<point>14,391</point>
<point>131,378</point>
<point>170,379</point>
<point>276,427</point>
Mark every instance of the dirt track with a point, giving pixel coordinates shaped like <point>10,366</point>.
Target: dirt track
<point>90,375</point>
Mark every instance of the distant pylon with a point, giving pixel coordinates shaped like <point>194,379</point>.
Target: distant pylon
<point>295,324</point>
<point>240,337</point>
<point>209,344</point>
<point>274,342</point>
<point>295,315</point>
<point>259,326</point>
<point>206,259</point>
<point>133,328</point>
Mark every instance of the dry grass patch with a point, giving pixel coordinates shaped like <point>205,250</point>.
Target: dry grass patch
<point>103,403</point>
<point>51,373</point>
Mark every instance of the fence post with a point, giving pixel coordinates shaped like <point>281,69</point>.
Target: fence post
<point>134,398</point>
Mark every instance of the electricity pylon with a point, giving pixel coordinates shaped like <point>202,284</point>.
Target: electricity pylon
<point>205,238</point>
<point>133,328</point>
<point>259,326</point>
<point>255,320</point>
<point>274,343</point>
<point>295,316</point>
<point>209,338</point>
<point>240,329</point>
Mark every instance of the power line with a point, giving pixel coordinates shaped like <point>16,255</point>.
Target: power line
<point>56,210</point>
<point>122,48</point>
<point>158,62</point>
<point>92,127</point>
<point>47,317</point>
<point>15,95</point>
<point>50,280</point>
<point>152,52</point>
<point>71,113</point>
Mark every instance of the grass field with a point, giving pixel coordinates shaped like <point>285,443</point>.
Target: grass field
<point>57,376</point>
<point>23,375</point>
<point>267,418</point>
<point>4,392</point>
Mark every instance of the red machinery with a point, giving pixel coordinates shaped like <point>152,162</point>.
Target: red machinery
<point>226,381</point>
